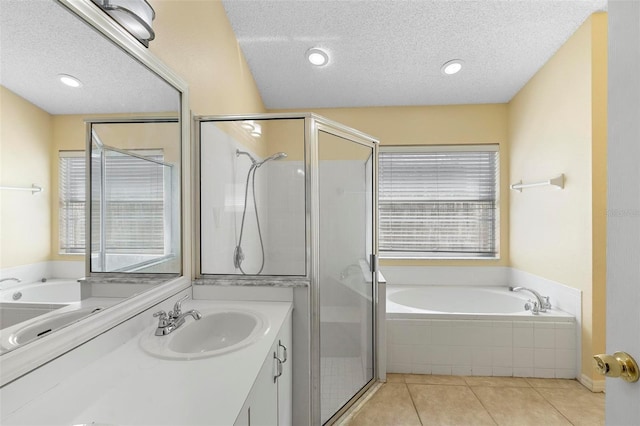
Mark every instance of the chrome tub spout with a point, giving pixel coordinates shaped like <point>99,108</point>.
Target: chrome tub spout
<point>541,304</point>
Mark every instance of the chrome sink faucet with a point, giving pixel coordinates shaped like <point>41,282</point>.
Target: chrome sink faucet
<point>174,319</point>
<point>541,304</point>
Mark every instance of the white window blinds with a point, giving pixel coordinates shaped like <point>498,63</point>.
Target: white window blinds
<point>71,196</point>
<point>134,216</point>
<point>439,201</point>
<point>134,203</point>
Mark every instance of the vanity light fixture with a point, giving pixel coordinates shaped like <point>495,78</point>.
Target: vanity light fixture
<point>135,16</point>
<point>317,56</point>
<point>69,80</point>
<point>452,67</point>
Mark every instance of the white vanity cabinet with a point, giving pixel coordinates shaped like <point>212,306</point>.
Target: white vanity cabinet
<point>270,401</point>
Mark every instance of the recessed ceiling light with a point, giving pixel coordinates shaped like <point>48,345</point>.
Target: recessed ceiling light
<point>69,80</point>
<point>247,125</point>
<point>452,67</point>
<point>317,57</point>
<point>257,130</point>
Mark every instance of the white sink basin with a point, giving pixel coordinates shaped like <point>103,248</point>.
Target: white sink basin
<point>216,333</point>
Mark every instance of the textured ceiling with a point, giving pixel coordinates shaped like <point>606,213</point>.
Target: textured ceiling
<point>389,52</point>
<point>40,39</point>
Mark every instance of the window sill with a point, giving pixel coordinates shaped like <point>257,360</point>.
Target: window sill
<point>418,256</point>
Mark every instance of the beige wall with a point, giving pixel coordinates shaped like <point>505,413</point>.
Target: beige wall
<point>599,54</point>
<point>551,124</point>
<point>437,125</point>
<point>195,39</point>
<point>25,219</point>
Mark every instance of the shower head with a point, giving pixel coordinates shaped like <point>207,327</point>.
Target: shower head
<point>276,156</point>
<point>238,152</point>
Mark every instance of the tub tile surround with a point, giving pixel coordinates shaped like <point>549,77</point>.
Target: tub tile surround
<point>105,377</point>
<point>481,348</point>
<point>528,347</point>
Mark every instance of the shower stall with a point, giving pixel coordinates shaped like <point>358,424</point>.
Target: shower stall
<point>290,199</point>
<point>133,192</point>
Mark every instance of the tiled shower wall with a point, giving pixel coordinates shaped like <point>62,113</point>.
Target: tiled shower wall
<point>482,347</point>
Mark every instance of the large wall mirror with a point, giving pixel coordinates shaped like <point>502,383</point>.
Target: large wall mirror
<point>77,95</point>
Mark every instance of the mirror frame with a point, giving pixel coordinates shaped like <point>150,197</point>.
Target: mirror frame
<point>22,360</point>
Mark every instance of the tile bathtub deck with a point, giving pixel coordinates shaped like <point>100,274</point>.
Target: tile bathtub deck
<point>412,399</point>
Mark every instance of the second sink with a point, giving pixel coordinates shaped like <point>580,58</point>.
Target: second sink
<point>216,333</point>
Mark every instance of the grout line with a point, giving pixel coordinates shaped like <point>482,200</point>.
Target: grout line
<point>413,403</point>
<point>482,404</point>
<point>530,386</point>
<point>552,405</point>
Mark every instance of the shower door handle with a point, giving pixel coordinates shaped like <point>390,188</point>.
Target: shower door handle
<point>373,263</point>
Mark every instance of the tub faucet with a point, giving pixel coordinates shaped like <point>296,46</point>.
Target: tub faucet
<point>174,319</point>
<point>541,304</point>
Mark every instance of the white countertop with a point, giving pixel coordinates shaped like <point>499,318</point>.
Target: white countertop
<point>130,387</point>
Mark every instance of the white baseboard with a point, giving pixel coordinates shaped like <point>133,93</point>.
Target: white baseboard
<point>592,385</point>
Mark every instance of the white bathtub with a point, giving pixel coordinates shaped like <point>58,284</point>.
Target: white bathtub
<point>50,291</point>
<point>471,330</point>
<point>456,302</point>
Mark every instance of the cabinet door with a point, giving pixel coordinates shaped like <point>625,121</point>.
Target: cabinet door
<point>264,395</point>
<point>285,381</point>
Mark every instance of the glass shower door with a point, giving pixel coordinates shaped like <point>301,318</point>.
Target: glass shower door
<point>346,281</point>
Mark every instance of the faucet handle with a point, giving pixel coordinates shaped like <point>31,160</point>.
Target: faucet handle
<point>177,308</point>
<point>532,306</point>
<point>163,318</point>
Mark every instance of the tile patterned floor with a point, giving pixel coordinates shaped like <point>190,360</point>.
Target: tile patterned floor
<point>412,399</point>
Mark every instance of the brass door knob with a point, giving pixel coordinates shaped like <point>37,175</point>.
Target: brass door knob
<point>620,364</point>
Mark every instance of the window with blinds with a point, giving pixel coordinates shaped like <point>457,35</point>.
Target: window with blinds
<point>439,201</point>
<point>134,203</point>
<point>71,196</point>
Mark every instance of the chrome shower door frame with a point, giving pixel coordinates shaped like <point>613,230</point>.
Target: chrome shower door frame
<point>313,124</point>
<point>319,124</point>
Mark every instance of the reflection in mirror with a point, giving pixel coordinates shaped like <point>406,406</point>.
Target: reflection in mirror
<point>252,197</point>
<point>135,203</point>
<point>43,143</point>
